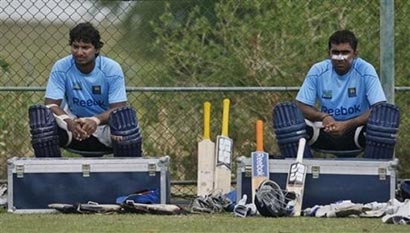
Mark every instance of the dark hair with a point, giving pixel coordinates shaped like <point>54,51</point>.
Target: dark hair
<point>343,36</point>
<point>86,33</point>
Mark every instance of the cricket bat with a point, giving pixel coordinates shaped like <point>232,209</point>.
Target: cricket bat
<point>206,157</point>
<point>296,178</point>
<point>163,209</point>
<point>223,153</point>
<point>260,161</point>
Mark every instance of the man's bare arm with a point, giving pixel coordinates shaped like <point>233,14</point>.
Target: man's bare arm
<point>362,119</point>
<point>311,113</point>
<point>359,120</point>
<point>82,128</point>
<point>103,117</point>
<point>54,106</point>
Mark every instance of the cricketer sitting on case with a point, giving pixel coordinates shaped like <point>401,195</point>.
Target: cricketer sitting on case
<point>352,115</point>
<point>85,105</point>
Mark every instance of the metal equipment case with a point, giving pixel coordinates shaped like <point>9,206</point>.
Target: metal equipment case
<point>330,180</point>
<point>33,183</point>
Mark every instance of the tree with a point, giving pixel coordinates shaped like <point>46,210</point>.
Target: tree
<point>4,65</point>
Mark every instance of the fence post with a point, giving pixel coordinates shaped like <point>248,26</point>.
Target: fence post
<point>387,48</point>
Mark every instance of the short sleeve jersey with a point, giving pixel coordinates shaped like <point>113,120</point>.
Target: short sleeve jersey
<point>87,94</point>
<point>343,97</point>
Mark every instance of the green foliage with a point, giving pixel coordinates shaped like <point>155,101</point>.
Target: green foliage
<point>3,134</point>
<point>13,124</point>
<point>249,43</point>
<point>4,65</point>
<point>137,22</point>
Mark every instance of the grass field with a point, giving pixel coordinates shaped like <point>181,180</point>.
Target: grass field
<point>53,223</point>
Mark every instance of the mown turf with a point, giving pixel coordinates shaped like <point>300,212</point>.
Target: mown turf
<point>53,223</point>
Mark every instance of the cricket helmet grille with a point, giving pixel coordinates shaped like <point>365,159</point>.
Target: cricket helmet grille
<point>270,201</point>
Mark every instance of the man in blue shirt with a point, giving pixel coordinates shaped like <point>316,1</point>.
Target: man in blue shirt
<point>337,97</point>
<point>86,99</point>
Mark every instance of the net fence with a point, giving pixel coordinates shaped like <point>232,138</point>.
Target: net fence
<point>178,54</point>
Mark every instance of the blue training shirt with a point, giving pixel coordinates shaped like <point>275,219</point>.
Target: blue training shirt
<point>343,97</point>
<point>87,94</point>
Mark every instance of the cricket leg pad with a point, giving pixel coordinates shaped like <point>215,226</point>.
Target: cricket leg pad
<point>44,132</point>
<point>289,126</point>
<point>125,133</point>
<point>381,131</point>
<point>404,189</point>
<point>127,148</point>
<point>46,147</point>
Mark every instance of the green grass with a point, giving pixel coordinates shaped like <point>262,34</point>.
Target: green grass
<point>226,222</point>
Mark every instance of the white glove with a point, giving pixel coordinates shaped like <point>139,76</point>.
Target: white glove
<point>243,210</point>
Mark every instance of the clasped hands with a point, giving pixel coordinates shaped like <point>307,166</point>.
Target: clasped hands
<point>83,128</point>
<point>335,128</point>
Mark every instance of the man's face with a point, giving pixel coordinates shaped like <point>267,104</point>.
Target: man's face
<point>84,53</point>
<point>342,56</point>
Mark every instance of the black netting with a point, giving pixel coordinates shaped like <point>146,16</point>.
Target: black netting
<point>164,46</point>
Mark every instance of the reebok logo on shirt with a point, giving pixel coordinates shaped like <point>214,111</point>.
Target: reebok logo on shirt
<point>342,110</point>
<point>87,103</point>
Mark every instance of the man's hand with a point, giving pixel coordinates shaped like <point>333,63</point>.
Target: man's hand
<point>76,129</point>
<point>335,128</point>
<point>88,126</point>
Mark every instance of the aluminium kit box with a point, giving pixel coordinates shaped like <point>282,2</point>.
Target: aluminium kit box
<point>33,183</point>
<point>330,180</point>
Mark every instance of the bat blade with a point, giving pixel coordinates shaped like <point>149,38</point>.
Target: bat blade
<point>161,209</point>
<point>296,178</point>
<point>206,157</point>
<point>223,154</point>
<point>260,161</point>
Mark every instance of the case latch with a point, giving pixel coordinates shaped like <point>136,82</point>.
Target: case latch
<point>20,171</point>
<point>382,173</point>
<point>152,168</point>
<point>86,168</point>
<point>315,172</point>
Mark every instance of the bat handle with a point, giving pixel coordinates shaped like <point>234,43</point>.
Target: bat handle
<point>259,135</point>
<point>301,149</point>
<point>207,120</point>
<point>225,117</point>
